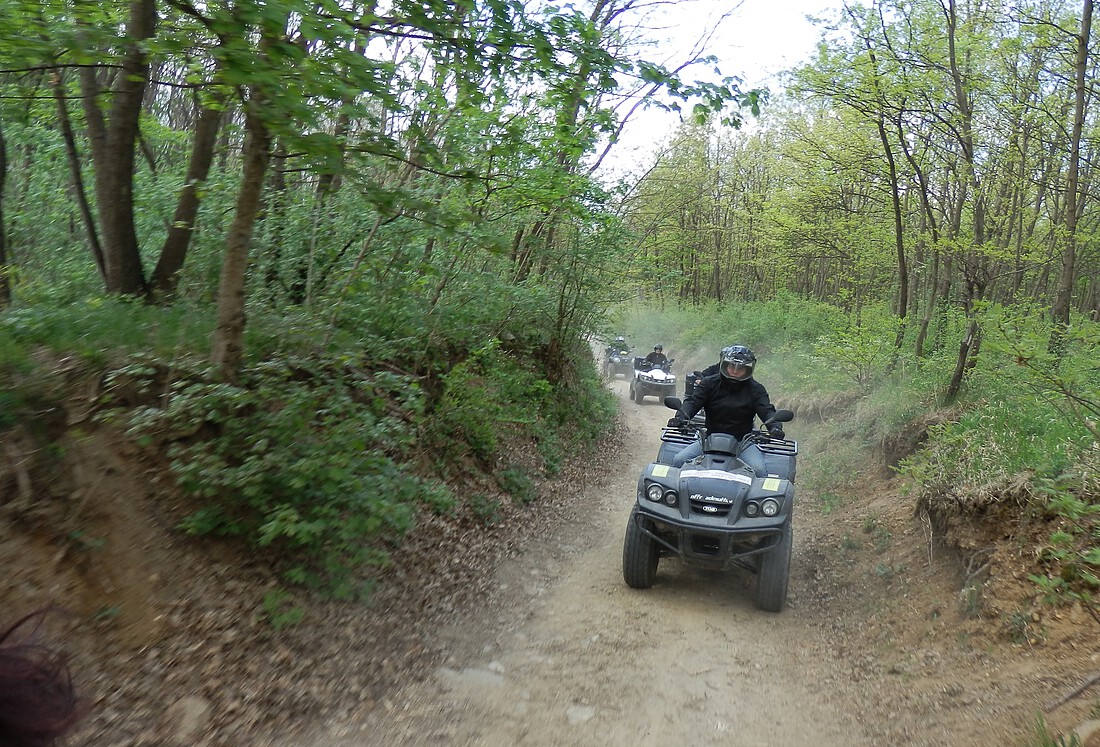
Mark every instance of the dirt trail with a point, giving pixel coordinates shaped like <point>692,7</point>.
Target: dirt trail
<point>585,660</point>
<point>891,636</point>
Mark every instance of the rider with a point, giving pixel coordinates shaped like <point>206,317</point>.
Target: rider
<point>617,345</point>
<point>730,399</point>
<point>657,357</point>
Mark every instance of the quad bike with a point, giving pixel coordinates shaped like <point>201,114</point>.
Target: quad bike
<point>690,381</point>
<point>618,363</point>
<point>652,380</point>
<point>731,507</point>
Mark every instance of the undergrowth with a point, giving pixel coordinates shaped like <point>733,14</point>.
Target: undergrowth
<point>318,455</point>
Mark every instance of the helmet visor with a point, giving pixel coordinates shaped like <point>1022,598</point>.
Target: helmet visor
<point>736,370</point>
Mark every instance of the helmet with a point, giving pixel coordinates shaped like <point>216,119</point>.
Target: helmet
<point>736,363</point>
<point>658,348</point>
<point>620,340</point>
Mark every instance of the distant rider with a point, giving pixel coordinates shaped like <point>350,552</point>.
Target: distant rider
<point>657,357</point>
<point>731,400</point>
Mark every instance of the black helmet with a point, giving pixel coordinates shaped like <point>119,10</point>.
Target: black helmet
<point>658,348</point>
<point>737,363</point>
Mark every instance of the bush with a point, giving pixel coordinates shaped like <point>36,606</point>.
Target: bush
<point>298,457</point>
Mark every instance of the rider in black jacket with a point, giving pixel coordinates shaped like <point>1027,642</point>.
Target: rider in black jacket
<point>731,399</point>
<point>657,357</point>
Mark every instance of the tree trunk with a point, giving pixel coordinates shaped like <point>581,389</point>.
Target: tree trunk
<point>1060,310</point>
<point>5,287</point>
<point>963,362</point>
<point>73,157</point>
<point>176,243</point>
<point>113,148</point>
<point>974,266</point>
<point>228,348</point>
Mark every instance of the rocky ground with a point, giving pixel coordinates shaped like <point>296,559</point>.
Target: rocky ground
<point>521,631</point>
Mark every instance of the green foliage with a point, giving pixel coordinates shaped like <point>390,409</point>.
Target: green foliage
<point>13,407</point>
<point>311,456</point>
<point>830,502</point>
<point>486,509</point>
<point>887,571</point>
<point>281,610</point>
<point>297,457</point>
<point>1042,736</point>
<point>107,614</point>
<point>776,330</point>
<point>552,450</point>
<point>1028,438</point>
<point>96,328</point>
<point>577,413</point>
<point>516,483</point>
<point>1022,628</point>
<point>81,541</point>
<point>1072,553</point>
<point>480,394</point>
<point>861,350</point>
<point>993,445</point>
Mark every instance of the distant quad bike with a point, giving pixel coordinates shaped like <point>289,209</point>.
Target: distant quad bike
<point>618,363</point>
<point>730,507</point>
<point>652,381</point>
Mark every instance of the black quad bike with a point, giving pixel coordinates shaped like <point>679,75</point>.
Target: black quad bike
<point>618,363</point>
<point>730,507</point>
<point>652,380</point>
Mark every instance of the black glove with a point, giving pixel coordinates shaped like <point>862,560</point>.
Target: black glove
<point>676,422</point>
<point>776,431</point>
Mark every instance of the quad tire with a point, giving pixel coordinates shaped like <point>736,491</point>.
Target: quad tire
<point>639,555</point>
<point>638,396</point>
<point>775,567</point>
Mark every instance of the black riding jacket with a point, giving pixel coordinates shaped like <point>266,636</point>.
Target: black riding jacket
<point>730,405</point>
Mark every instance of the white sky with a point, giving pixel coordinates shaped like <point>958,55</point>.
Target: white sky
<point>764,37</point>
<point>759,40</point>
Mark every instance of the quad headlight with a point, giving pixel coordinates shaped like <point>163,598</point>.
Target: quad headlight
<point>767,507</point>
<point>658,493</point>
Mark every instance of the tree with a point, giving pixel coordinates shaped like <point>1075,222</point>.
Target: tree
<point>113,140</point>
<point>1073,204</point>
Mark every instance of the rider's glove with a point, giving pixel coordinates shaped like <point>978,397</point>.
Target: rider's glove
<point>776,431</point>
<point>676,422</point>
